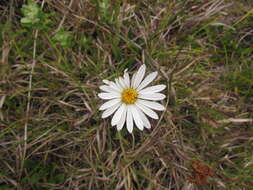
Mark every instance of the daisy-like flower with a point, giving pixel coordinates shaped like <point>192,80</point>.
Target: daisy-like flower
<point>131,100</point>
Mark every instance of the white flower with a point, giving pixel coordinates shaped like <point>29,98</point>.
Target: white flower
<point>131,101</point>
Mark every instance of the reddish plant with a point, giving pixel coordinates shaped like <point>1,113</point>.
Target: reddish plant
<point>200,173</point>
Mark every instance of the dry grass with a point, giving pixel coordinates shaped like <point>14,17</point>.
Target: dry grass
<point>51,132</point>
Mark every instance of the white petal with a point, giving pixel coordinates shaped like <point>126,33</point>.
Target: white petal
<point>117,115</point>
<point>118,84</point>
<point>106,81</point>
<point>112,85</point>
<point>152,89</point>
<point>108,88</point>
<point>152,105</point>
<point>153,96</point>
<point>122,82</point>
<point>110,103</point>
<point>105,88</point>
<point>137,117</point>
<point>147,80</point>
<point>147,110</point>
<point>115,87</point>
<point>111,110</point>
<point>139,76</point>
<point>108,96</point>
<point>144,119</point>
<point>129,120</point>
<point>132,80</point>
<point>122,120</point>
<point>127,79</point>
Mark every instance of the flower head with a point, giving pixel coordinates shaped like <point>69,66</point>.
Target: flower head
<point>131,100</point>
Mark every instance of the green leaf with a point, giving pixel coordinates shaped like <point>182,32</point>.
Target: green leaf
<point>64,38</point>
<point>34,17</point>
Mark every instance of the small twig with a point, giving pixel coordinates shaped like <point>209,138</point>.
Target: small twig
<point>233,120</point>
<point>64,17</point>
<point>29,95</point>
<point>244,16</point>
<point>185,68</point>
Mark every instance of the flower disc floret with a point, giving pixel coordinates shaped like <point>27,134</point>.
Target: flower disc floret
<point>129,96</point>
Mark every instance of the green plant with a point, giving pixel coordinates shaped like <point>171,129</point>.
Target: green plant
<point>34,17</point>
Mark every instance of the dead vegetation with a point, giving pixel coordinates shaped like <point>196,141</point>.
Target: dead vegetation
<point>51,132</point>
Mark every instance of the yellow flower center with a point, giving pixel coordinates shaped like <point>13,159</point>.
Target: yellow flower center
<point>129,96</point>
